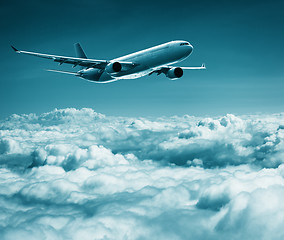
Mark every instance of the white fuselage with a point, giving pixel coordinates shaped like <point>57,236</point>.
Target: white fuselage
<point>145,62</point>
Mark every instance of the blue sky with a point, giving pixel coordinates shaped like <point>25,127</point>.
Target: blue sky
<point>240,42</point>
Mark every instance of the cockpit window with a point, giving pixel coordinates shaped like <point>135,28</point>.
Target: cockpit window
<point>184,44</point>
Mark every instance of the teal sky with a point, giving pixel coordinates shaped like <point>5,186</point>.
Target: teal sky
<point>241,43</point>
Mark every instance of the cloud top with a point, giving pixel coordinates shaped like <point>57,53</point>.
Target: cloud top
<point>72,173</point>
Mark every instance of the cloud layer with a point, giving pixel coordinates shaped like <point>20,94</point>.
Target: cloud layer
<point>73,174</point>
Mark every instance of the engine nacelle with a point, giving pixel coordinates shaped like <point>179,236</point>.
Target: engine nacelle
<point>174,73</point>
<point>92,74</point>
<point>113,67</point>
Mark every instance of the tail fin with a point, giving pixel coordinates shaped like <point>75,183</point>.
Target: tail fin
<point>79,51</point>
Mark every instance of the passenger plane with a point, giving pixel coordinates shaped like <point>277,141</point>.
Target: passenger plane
<point>156,59</point>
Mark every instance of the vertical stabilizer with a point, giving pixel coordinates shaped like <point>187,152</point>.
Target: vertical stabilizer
<point>79,51</point>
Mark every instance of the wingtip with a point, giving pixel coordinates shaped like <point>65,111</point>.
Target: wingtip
<point>15,49</point>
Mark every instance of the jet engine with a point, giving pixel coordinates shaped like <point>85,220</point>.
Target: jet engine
<point>174,73</point>
<point>113,67</point>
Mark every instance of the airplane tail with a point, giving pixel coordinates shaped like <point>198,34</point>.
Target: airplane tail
<point>79,51</point>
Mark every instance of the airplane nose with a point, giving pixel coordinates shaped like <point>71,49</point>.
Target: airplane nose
<point>190,48</point>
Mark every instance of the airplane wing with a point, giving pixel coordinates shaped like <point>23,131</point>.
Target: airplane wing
<point>73,60</point>
<point>165,69</point>
<point>194,68</point>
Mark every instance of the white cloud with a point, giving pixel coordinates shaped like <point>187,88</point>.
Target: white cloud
<point>73,174</point>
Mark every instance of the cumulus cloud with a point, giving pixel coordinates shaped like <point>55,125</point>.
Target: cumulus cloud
<point>73,174</point>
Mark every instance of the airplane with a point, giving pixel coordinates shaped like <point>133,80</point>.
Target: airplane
<point>157,59</point>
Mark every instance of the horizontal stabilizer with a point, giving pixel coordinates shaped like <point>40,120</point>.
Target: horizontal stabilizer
<point>66,72</point>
